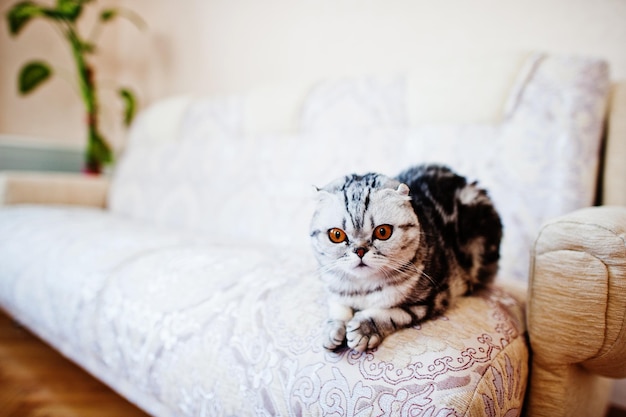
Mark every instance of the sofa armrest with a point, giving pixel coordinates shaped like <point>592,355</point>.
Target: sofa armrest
<point>52,188</point>
<point>577,311</point>
<point>577,292</point>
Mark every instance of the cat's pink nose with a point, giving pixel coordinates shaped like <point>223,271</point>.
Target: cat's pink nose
<point>360,252</point>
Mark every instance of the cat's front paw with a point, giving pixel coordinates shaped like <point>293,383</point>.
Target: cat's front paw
<point>334,334</point>
<point>362,333</point>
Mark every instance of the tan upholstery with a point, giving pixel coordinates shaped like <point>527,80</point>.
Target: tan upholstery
<point>577,312</point>
<point>48,188</point>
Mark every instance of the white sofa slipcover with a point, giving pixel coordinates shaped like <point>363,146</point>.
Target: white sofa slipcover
<point>194,292</point>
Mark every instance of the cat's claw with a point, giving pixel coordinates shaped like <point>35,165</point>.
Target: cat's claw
<point>335,333</point>
<point>362,334</point>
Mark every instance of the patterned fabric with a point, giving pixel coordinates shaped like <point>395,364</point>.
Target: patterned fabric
<point>539,162</point>
<point>188,328</point>
<point>362,102</point>
<point>223,315</point>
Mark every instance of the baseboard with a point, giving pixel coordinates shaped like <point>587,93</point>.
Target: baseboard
<point>27,154</point>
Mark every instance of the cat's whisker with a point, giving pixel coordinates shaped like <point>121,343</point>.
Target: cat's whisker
<point>411,269</point>
<point>334,266</point>
<point>330,267</point>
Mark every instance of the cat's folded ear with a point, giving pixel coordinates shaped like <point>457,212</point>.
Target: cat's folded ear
<point>403,190</point>
<point>400,192</point>
<point>319,193</point>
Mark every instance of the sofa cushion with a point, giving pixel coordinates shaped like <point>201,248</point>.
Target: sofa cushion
<point>539,162</point>
<point>185,327</point>
<point>56,260</point>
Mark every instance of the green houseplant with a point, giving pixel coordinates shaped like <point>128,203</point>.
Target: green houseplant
<point>64,15</point>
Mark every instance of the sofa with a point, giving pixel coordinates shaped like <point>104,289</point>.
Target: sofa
<point>185,281</point>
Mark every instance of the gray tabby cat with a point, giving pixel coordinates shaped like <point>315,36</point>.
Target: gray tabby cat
<point>394,252</point>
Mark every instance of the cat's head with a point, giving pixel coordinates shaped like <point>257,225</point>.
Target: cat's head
<point>364,227</point>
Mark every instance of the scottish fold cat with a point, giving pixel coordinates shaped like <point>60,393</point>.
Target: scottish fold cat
<point>394,252</point>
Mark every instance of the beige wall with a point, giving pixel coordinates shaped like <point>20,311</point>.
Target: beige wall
<point>225,45</point>
<point>221,46</point>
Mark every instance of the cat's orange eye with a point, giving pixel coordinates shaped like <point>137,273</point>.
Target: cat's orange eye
<point>383,232</point>
<point>337,235</point>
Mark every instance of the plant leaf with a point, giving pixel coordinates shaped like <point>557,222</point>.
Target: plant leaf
<point>98,153</point>
<point>88,47</point>
<point>99,149</point>
<point>108,14</point>
<point>22,13</point>
<point>130,105</point>
<point>32,75</point>
<point>67,9</point>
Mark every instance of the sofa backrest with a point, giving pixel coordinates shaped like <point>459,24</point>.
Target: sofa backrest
<point>193,163</point>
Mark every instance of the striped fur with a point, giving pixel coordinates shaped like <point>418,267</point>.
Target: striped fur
<point>397,251</point>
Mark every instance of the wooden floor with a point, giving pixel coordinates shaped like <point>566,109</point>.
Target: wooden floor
<point>36,381</point>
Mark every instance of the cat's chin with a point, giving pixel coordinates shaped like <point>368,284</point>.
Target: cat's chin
<point>363,270</point>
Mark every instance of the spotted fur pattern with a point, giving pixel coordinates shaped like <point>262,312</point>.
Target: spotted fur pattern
<point>394,252</point>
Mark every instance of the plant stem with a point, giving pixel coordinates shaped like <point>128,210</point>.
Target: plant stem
<point>98,150</point>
